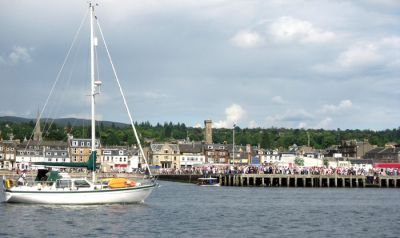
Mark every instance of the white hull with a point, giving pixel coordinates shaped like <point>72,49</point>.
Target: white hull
<point>210,185</point>
<point>104,196</point>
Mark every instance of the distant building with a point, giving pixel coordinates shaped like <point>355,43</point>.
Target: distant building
<point>80,149</point>
<point>384,155</point>
<point>208,131</point>
<point>29,152</point>
<point>165,155</point>
<point>37,134</point>
<point>8,154</point>
<point>355,149</point>
<point>191,154</point>
<point>216,153</point>
<point>114,159</point>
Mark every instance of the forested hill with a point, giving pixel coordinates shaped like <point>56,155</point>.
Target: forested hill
<point>121,134</point>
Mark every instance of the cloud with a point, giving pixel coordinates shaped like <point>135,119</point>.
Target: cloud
<point>278,100</point>
<point>360,55</point>
<point>288,118</point>
<point>365,55</point>
<point>302,125</point>
<point>246,39</point>
<point>234,114</point>
<point>343,105</point>
<point>253,124</point>
<point>18,55</point>
<point>197,125</point>
<point>287,29</point>
<point>324,124</point>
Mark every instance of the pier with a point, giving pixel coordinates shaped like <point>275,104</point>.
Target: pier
<point>313,181</point>
<point>288,180</point>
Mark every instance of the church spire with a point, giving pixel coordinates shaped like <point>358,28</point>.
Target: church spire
<point>37,135</point>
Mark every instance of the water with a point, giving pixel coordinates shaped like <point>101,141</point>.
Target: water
<point>185,210</point>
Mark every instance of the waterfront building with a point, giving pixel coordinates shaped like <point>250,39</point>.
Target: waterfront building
<point>191,154</point>
<point>286,159</point>
<point>8,154</point>
<point>271,156</point>
<point>114,159</point>
<point>388,154</point>
<point>165,155</point>
<point>216,153</point>
<point>80,149</point>
<point>134,160</point>
<point>355,149</point>
<point>32,151</point>
<point>245,155</point>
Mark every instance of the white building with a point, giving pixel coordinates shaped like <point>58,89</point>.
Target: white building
<point>191,154</point>
<point>118,159</point>
<point>271,156</point>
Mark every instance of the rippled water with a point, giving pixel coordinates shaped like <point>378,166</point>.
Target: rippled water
<point>185,210</point>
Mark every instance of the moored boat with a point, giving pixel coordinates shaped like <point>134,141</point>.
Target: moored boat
<point>209,182</point>
<point>52,187</point>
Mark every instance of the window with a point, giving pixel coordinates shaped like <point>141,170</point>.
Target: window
<point>82,144</point>
<point>210,147</point>
<point>63,184</point>
<point>88,143</point>
<point>120,159</point>
<point>81,184</point>
<point>166,151</point>
<point>48,153</point>
<point>55,153</point>
<point>74,143</point>
<point>121,152</point>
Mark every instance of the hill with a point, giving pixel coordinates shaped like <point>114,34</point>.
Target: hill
<point>59,121</point>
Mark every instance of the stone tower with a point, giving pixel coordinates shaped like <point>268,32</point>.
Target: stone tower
<point>208,131</point>
<point>37,134</point>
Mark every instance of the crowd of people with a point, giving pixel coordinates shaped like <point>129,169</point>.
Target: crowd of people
<point>271,169</point>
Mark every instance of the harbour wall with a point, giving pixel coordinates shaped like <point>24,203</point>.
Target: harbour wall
<point>281,180</point>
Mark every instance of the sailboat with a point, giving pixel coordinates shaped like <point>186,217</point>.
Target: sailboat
<point>53,187</point>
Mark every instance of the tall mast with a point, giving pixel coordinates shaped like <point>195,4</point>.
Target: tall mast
<point>92,85</point>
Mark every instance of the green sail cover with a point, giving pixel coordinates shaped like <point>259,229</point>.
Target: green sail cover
<point>90,164</point>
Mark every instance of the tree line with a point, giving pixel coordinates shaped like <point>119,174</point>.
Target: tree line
<point>270,138</point>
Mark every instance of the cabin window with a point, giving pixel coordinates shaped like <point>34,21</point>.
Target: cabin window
<point>81,184</point>
<point>63,184</point>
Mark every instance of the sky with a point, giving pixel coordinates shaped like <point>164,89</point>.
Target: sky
<point>254,63</point>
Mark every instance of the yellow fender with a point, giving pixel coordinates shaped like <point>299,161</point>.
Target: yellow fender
<point>8,183</point>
